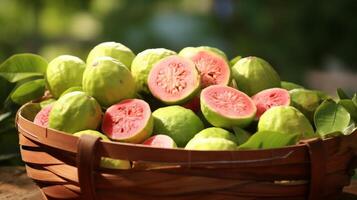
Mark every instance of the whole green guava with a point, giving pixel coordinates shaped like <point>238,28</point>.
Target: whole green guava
<point>214,132</point>
<point>64,72</point>
<point>112,49</point>
<point>143,63</point>
<point>179,123</point>
<point>254,74</point>
<point>108,81</point>
<point>286,119</point>
<point>74,112</point>
<point>104,161</point>
<point>211,144</point>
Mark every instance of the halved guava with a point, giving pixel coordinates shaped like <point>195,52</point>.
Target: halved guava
<point>174,80</point>
<point>213,67</point>
<point>162,141</point>
<point>143,63</point>
<point>129,120</point>
<point>227,107</point>
<point>42,116</point>
<point>268,98</point>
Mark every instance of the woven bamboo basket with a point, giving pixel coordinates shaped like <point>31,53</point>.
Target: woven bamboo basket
<point>67,167</point>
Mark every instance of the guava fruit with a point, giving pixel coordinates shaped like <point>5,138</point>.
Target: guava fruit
<point>104,161</point>
<point>271,97</point>
<point>214,132</point>
<point>254,74</point>
<point>108,81</point>
<point>72,89</point>
<point>212,65</point>
<point>306,101</point>
<point>74,112</point>
<point>129,120</point>
<point>286,119</point>
<point>174,80</point>
<point>162,141</point>
<point>47,102</point>
<point>143,63</point>
<point>290,85</point>
<point>212,144</point>
<point>111,49</point>
<point>64,72</point>
<point>226,107</point>
<point>234,60</point>
<point>179,123</point>
<point>41,117</point>
<point>191,51</point>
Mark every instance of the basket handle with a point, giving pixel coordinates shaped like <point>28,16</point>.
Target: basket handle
<point>317,167</point>
<point>87,161</point>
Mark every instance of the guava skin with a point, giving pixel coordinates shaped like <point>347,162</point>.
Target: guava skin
<point>108,81</point>
<point>72,89</point>
<point>74,112</point>
<point>213,144</point>
<point>64,72</point>
<point>214,132</point>
<point>106,162</point>
<point>290,85</point>
<point>254,74</point>
<point>306,101</point>
<point>115,50</point>
<point>143,63</point>
<point>286,119</point>
<point>125,110</point>
<point>179,123</point>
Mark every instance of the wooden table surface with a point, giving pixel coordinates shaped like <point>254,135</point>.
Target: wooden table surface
<point>15,185</point>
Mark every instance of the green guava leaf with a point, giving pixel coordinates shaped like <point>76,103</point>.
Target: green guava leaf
<point>350,107</point>
<point>354,99</point>
<point>331,117</point>
<point>22,66</point>
<point>28,91</point>
<point>269,139</point>
<point>241,135</point>
<point>5,89</point>
<point>342,94</point>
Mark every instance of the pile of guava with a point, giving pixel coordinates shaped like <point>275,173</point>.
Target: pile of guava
<point>195,99</point>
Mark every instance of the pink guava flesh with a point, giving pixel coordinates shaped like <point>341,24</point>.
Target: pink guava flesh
<point>228,102</point>
<point>162,141</point>
<point>41,118</point>
<point>214,70</point>
<point>268,98</point>
<point>173,79</point>
<point>126,118</point>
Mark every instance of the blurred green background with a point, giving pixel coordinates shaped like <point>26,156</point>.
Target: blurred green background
<point>313,43</point>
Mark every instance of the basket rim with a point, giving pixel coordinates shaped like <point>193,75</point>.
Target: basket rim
<point>68,142</point>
